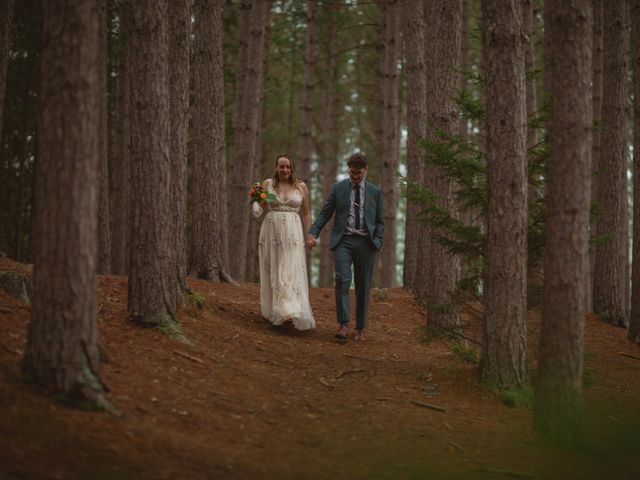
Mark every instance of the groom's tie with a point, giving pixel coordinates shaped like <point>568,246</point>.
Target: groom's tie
<point>356,206</point>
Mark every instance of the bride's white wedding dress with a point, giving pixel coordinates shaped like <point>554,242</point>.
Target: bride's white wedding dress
<point>284,289</point>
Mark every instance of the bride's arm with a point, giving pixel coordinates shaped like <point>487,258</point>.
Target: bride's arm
<point>305,211</point>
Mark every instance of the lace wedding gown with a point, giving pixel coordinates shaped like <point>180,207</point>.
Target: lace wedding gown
<point>284,289</point>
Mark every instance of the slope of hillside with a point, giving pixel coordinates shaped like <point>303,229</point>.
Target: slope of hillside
<point>247,400</point>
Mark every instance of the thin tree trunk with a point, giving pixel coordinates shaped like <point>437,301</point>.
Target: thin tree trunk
<point>121,165</point>
<point>179,58</point>
<point>251,73</point>
<point>634,323</point>
<point>62,346</point>
<point>104,236</point>
<point>559,383</point>
<point>504,352</point>
<point>331,140</point>
<point>390,159</point>
<point>437,269</point>
<point>414,38</point>
<point>6,19</point>
<point>596,86</point>
<point>306,140</point>
<point>611,264</point>
<point>209,173</point>
<point>152,279</point>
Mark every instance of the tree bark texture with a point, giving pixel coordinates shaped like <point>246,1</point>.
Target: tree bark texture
<point>437,270</point>
<point>152,279</point>
<point>6,20</point>
<point>248,105</point>
<point>504,350</point>
<point>332,137</point>
<point>596,89</point>
<point>306,119</point>
<point>104,236</point>
<point>611,263</point>
<point>209,173</point>
<point>120,211</point>
<point>179,59</point>
<point>414,38</point>
<point>634,322</point>
<point>566,264</point>
<point>62,346</point>
<point>390,161</point>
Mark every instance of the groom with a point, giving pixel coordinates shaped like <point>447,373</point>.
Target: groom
<point>355,238</point>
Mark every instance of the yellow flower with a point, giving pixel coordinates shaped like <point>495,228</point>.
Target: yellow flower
<point>263,195</point>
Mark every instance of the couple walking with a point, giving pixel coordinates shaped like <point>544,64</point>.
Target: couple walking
<point>355,238</point>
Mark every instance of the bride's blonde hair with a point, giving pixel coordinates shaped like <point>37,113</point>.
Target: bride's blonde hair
<point>293,179</point>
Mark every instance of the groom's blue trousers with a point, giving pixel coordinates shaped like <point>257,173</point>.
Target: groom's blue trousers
<point>358,252</point>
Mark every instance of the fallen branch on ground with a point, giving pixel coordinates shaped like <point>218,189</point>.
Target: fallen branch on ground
<point>430,406</point>
<point>189,357</point>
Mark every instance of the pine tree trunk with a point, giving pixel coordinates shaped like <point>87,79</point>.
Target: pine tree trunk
<point>611,263</point>
<point>390,159</point>
<point>596,87</point>
<point>121,165</point>
<point>559,382</point>
<point>179,58</point>
<point>248,100</point>
<point>437,269</point>
<point>306,140</point>
<point>414,37</point>
<point>331,140</point>
<point>634,323</point>
<point>504,353</point>
<point>104,236</point>
<point>209,173</point>
<point>6,19</point>
<point>152,279</point>
<point>62,346</point>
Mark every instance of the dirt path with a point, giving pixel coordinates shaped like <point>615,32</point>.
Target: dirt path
<point>246,400</point>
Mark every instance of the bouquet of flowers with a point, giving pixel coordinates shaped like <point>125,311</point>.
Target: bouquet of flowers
<point>258,198</point>
<point>257,193</point>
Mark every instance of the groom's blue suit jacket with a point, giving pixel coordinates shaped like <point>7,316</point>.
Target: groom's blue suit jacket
<point>339,201</point>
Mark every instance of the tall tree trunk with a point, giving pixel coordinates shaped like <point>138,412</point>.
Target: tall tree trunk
<point>6,19</point>
<point>559,382</point>
<point>414,37</point>
<point>634,323</point>
<point>179,58</point>
<point>251,74</point>
<point>596,87</point>
<point>529,32</point>
<point>152,279</point>
<point>504,352</point>
<point>437,269</point>
<point>306,116</point>
<point>611,265</point>
<point>306,140</point>
<point>209,172</point>
<point>390,137</point>
<point>121,165</point>
<point>104,236</point>
<point>331,137</point>
<point>62,346</point>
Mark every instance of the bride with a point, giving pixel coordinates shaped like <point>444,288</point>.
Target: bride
<point>284,289</point>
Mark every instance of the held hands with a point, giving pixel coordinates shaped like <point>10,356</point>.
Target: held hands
<point>311,241</point>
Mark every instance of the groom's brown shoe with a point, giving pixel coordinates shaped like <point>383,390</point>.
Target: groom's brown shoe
<point>359,336</point>
<point>342,332</point>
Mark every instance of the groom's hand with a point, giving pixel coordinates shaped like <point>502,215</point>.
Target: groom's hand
<point>311,241</point>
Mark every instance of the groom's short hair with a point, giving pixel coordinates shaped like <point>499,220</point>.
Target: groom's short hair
<point>357,160</point>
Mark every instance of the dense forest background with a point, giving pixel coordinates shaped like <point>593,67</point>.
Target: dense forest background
<point>502,134</point>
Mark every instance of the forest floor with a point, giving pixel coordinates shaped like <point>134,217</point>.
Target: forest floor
<point>246,400</point>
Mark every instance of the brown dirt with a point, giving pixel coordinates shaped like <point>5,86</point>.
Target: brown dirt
<point>261,402</point>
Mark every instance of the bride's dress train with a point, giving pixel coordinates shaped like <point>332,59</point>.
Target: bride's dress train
<point>284,289</point>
